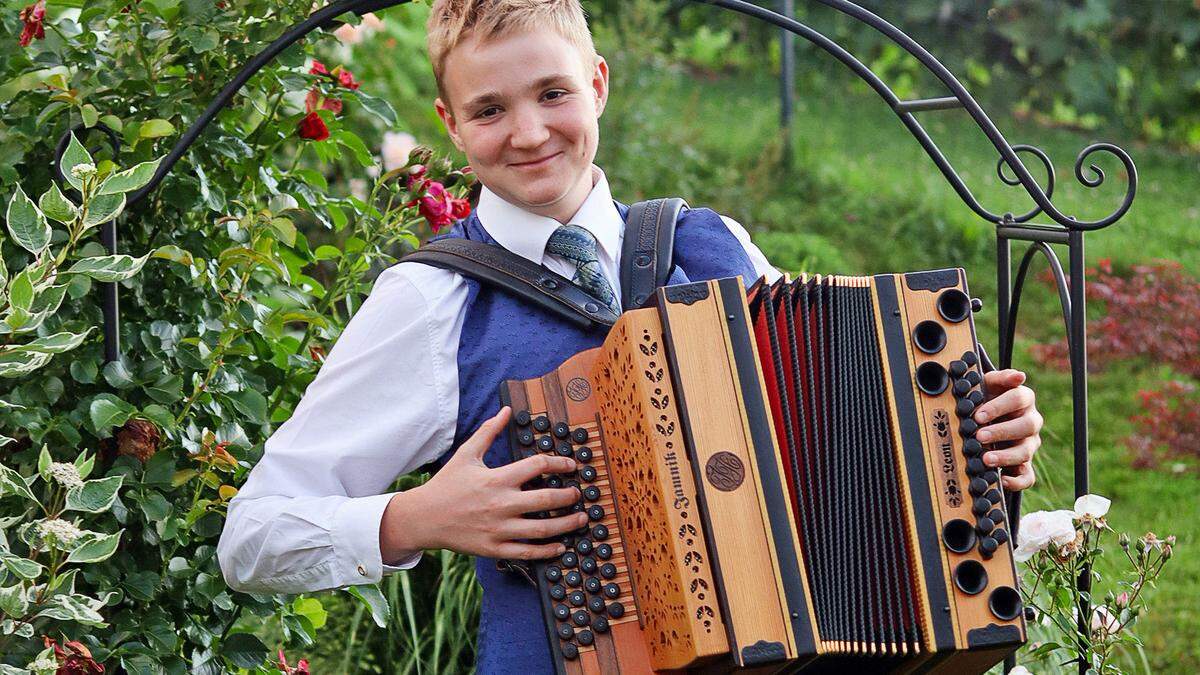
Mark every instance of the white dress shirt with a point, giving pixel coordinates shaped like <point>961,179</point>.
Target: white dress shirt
<point>384,403</point>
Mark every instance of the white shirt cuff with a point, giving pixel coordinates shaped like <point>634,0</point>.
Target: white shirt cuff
<point>355,538</point>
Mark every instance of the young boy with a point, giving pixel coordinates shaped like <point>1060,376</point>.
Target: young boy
<point>414,377</point>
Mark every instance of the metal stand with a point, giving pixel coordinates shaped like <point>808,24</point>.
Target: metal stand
<point>1065,230</point>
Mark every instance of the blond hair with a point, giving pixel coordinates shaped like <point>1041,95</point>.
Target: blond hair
<point>452,21</point>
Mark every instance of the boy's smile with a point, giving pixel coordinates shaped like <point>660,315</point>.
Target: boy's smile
<point>524,108</point>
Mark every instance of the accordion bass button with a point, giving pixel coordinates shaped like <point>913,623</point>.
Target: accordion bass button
<point>975,467</point>
<point>958,368</point>
<point>561,430</point>
<point>992,476</point>
<point>588,473</point>
<point>596,604</point>
<point>612,591</point>
<point>580,618</point>
<point>616,610</point>
<point>996,516</point>
<point>579,435</point>
<point>976,397</point>
<point>988,545</point>
<point>604,551</point>
<point>570,652</point>
<point>565,632</point>
<point>993,496</point>
<point>585,637</point>
<point>1000,536</point>
<point>600,625</point>
<point>525,437</point>
<point>608,570</point>
<point>984,525</point>
<point>584,454</point>
<point>584,547</point>
<point>522,418</point>
<point>541,424</point>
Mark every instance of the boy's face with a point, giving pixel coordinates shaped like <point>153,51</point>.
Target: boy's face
<point>524,108</point>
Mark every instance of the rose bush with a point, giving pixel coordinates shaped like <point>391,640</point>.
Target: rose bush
<point>246,262</point>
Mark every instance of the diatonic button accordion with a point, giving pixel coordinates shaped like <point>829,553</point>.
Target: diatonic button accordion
<point>783,479</point>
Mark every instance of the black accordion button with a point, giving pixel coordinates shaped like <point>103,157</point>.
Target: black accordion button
<point>964,407</point>
<point>521,418</point>
<point>525,437</point>
<point>557,592</point>
<point>561,430</point>
<point>553,573</point>
<point>975,467</point>
<point>992,476</point>
<point>600,625</point>
<point>592,585</point>
<point>996,516</point>
<point>604,551</point>
<point>984,526</point>
<point>988,545</point>
<point>961,387</point>
<point>564,450</point>
<point>974,378</point>
<point>554,482</point>
<point>545,444</point>
<point>585,637</point>
<point>981,506</point>
<point>591,493</point>
<point>577,507</point>
<point>595,512</point>
<point>565,632</point>
<point>579,435</point>
<point>571,482</point>
<point>977,487</point>
<point>600,533</point>
<point>993,496</point>
<point>1000,535</point>
<point>584,547</point>
<point>584,454</point>
<point>967,428</point>
<point>588,566</point>
<point>577,598</point>
<point>612,591</point>
<point>957,369</point>
<point>608,570</point>
<point>562,612</point>
<point>596,604</point>
<point>580,618</point>
<point>616,610</point>
<point>541,424</point>
<point>569,559</point>
<point>972,447</point>
<point>574,578</point>
<point>588,473</point>
<point>970,358</point>
<point>569,651</point>
<point>976,397</point>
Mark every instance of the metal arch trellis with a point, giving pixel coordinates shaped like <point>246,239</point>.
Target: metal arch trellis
<point>1065,229</point>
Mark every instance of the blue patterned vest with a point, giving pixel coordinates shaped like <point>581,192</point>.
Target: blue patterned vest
<point>496,346</point>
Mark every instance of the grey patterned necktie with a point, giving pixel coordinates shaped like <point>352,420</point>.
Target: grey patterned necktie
<point>579,246</point>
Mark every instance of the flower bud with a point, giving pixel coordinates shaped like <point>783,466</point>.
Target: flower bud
<point>1124,541</point>
<point>420,155</point>
<point>1122,600</point>
<point>1167,551</point>
<point>83,170</point>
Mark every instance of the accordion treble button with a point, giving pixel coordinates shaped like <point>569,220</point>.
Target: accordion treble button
<point>596,604</point>
<point>584,454</point>
<point>967,428</point>
<point>584,547</point>
<point>981,506</point>
<point>553,573</point>
<point>591,493</point>
<point>545,444</point>
<point>557,592</point>
<point>576,598</point>
<point>592,585</point>
<point>570,559</point>
<point>588,565</point>
<point>562,612</point>
<point>958,368</point>
<point>564,450</point>
<point>588,473</point>
<point>964,407</point>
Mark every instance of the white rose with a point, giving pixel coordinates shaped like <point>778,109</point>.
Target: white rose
<point>1092,505</point>
<point>1040,528</point>
<point>1104,621</point>
<point>396,146</point>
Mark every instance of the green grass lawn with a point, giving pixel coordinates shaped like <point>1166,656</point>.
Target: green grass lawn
<point>862,196</point>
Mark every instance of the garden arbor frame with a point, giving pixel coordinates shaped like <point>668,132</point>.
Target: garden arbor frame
<point>1064,230</point>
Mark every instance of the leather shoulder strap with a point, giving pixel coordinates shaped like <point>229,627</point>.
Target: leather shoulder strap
<point>503,269</point>
<point>648,248</point>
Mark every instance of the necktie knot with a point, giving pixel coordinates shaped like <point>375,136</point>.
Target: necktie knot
<point>576,244</point>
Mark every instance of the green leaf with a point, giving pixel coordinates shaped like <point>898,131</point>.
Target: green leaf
<point>378,106</point>
<point>355,145</point>
<point>110,267</point>
<point>155,128</point>
<point>20,292</point>
<point>98,548</point>
<point>371,597</point>
<point>56,205</point>
<point>130,179</point>
<point>244,650</point>
<point>22,567</point>
<point>84,372</point>
<point>108,411</point>
<point>55,344</point>
<point>89,114</point>
<point>252,404</point>
<point>26,223</point>
<point>19,364</point>
<point>44,462</point>
<point>327,252</point>
<point>285,229</point>
<point>159,415</point>
<point>84,463</point>
<point>94,496</point>
<point>103,208</point>
<point>311,609</point>
<point>76,154</point>
<point>13,601</point>
<point>72,608</point>
<point>13,483</point>
<point>173,253</point>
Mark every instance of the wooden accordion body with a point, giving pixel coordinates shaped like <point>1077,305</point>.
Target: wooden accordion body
<point>783,482</point>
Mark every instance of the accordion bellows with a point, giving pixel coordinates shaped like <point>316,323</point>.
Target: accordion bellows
<point>784,480</point>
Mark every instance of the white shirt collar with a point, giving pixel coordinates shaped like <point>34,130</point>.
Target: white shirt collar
<point>526,233</point>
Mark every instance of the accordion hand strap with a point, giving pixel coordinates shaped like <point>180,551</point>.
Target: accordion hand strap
<point>647,249</point>
<point>510,272</point>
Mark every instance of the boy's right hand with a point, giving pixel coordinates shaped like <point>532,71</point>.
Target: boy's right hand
<point>471,508</point>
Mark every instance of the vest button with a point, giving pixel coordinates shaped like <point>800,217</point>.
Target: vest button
<point>642,260</point>
<point>591,307</point>
<point>550,283</point>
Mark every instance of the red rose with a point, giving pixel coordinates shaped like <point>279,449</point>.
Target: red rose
<point>33,16</point>
<point>76,659</point>
<point>416,180</point>
<point>315,101</point>
<point>300,669</point>
<point>460,208</point>
<point>318,68</point>
<point>312,127</point>
<point>346,78</point>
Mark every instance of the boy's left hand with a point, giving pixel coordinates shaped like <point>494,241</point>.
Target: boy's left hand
<point>1010,415</point>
